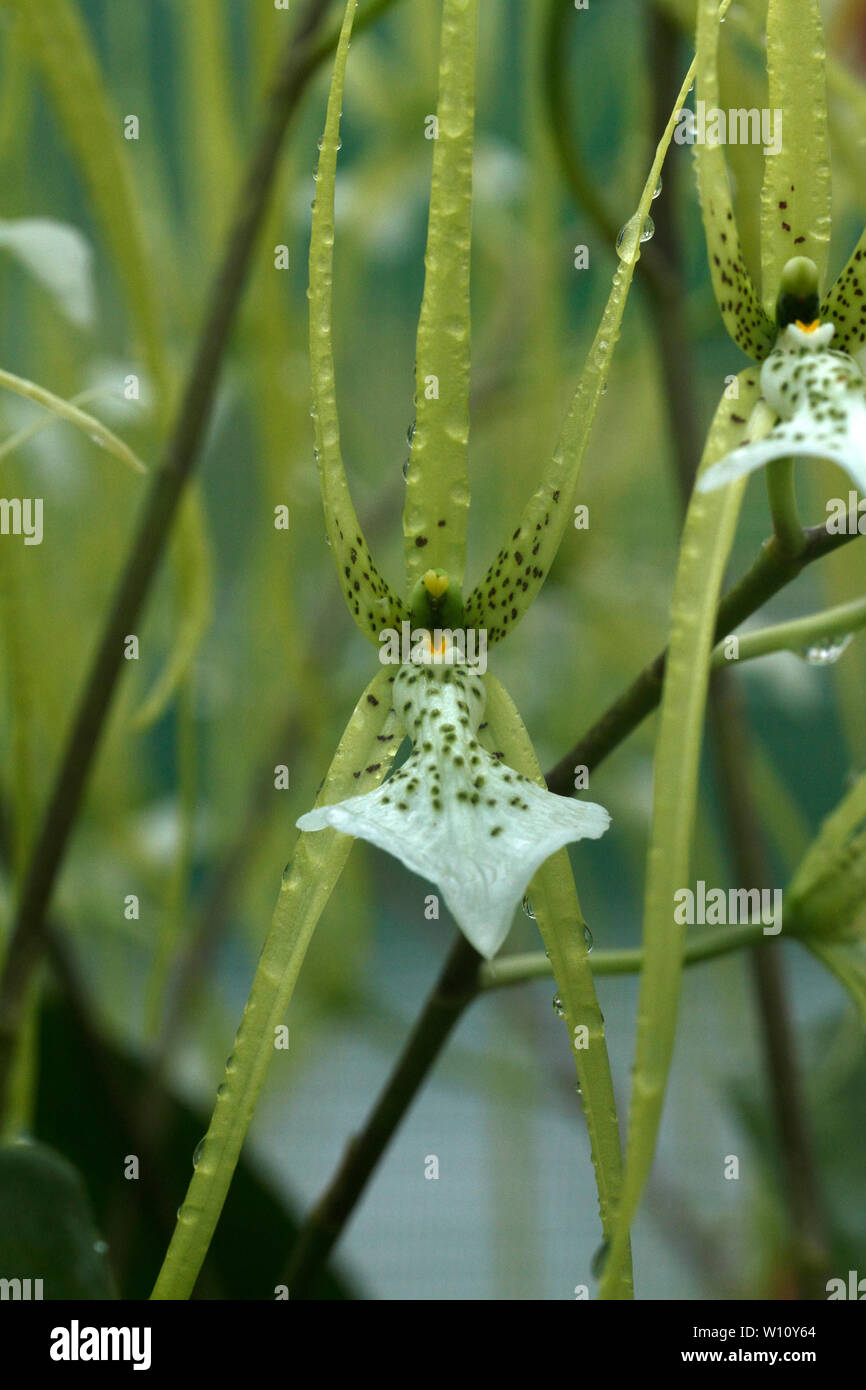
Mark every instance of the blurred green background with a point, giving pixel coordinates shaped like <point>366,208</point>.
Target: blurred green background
<point>252,660</point>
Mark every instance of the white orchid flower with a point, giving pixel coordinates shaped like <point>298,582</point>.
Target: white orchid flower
<point>454,813</point>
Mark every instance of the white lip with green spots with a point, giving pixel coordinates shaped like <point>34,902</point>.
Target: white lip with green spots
<point>819,395</point>
<point>455,814</point>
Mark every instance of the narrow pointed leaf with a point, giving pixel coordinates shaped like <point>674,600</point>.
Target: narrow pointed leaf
<point>193,569</point>
<point>371,736</point>
<point>847,961</point>
<point>437,486</point>
<point>521,566</point>
<point>369,597</point>
<point>65,410</point>
<point>749,326</point>
<point>795,198</point>
<point>58,40</point>
<point>707,538</point>
<point>560,922</point>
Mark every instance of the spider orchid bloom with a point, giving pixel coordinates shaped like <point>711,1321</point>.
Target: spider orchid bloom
<point>808,345</point>
<point>817,393</point>
<point>456,812</point>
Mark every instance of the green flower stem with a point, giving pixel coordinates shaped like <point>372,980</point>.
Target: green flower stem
<point>782,498</point>
<point>798,634</point>
<point>307,885</point>
<point>701,946</point>
<point>560,922</point>
<point>771,571</point>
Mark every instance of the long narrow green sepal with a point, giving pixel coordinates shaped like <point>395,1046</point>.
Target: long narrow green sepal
<point>437,484</point>
<point>372,603</point>
<point>744,317</point>
<point>707,538</point>
<point>522,565</point>
<point>795,198</point>
<point>560,922</point>
<point>362,758</point>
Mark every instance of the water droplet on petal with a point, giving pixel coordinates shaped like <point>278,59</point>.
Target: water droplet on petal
<point>327,540</point>
<point>628,237</point>
<point>199,1148</point>
<point>587,939</point>
<point>658,188</point>
<point>558,1006</point>
<point>319,142</point>
<point>527,908</point>
<point>827,650</point>
<point>406,469</point>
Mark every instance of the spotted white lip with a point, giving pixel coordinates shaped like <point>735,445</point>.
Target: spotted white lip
<point>819,396</point>
<point>455,814</point>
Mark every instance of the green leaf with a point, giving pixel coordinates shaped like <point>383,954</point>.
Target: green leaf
<point>707,538</point>
<point>46,1227</point>
<point>521,566</point>
<point>65,410</point>
<point>437,486</point>
<point>308,881</point>
<point>193,572</point>
<point>60,257</point>
<point>847,961</point>
<point>827,895</point>
<point>739,305</point>
<point>60,45</point>
<point>560,922</point>
<point>370,599</point>
<point>795,199</point>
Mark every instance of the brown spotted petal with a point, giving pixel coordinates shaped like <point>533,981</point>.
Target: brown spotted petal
<point>456,815</point>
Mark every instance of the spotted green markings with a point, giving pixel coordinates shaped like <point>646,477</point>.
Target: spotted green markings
<point>745,319</point>
<point>845,303</point>
<point>371,601</point>
<point>523,562</point>
<point>437,484</point>
<point>795,197</point>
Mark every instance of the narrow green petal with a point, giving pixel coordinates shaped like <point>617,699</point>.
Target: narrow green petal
<point>707,539</point>
<point>455,814</point>
<point>845,304</point>
<point>521,566</point>
<point>437,485</point>
<point>558,917</point>
<point>370,599</point>
<point>749,326</point>
<point>795,199</point>
<point>370,737</point>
